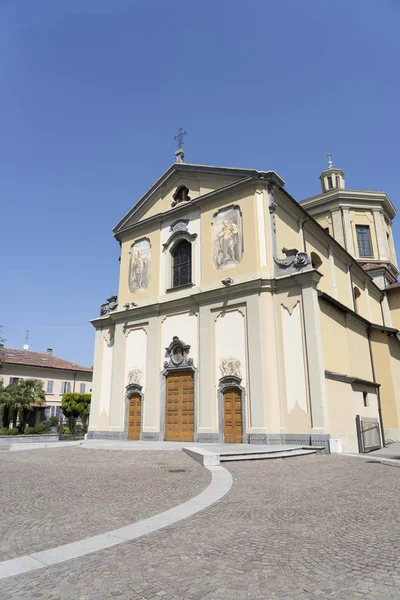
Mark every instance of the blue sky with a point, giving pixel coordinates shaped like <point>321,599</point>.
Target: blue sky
<point>93,91</point>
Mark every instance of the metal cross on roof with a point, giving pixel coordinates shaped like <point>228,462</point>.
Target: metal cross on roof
<point>179,137</point>
<point>329,155</point>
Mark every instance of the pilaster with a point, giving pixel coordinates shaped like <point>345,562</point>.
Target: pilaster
<point>118,380</point>
<point>315,357</point>
<point>95,402</point>
<point>332,272</point>
<point>348,237</point>
<point>337,226</point>
<point>208,409</point>
<point>151,420</point>
<point>383,249</point>
<point>257,420</point>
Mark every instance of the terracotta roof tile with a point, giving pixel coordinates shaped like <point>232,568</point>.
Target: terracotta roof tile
<point>38,359</point>
<point>371,266</point>
<point>392,286</point>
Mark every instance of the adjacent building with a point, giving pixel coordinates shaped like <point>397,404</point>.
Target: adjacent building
<point>58,375</point>
<point>245,316</point>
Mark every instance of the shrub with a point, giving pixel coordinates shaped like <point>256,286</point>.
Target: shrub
<point>53,421</point>
<point>36,430</point>
<point>66,431</point>
<point>12,431</point>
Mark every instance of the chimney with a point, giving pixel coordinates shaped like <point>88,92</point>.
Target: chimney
<point>50,351</point>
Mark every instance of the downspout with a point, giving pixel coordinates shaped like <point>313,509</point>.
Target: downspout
<point>351,288</point>
<point>378,388</point>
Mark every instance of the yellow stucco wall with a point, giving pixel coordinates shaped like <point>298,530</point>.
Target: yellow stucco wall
<point>124,294</point>
<point>394,305</point>
<point>345,401</point>
<point>342,282</point>
<point>198,184</point>
<point>334,339</point>
<point>296,419</point>
<point>360,359</point>
<point>345,343</point>
<point>244,199</point>
<point>313,244</point>
<point>375,305</point>
<point>325,220</point>
<point>383,371</point>
<point>361,302</point>
<point>287,228</point>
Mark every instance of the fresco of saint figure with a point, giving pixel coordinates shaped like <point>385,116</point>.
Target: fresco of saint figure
<point>227,239</point>
<point>139,275</point>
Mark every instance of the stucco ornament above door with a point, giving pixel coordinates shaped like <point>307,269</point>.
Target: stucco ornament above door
<point>227,238</point>
<point>139,273</point>
<point>230,366</point>
<point>177,354</point>
<point>135,376</point>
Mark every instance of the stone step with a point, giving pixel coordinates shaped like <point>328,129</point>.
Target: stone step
<point>265,455</point>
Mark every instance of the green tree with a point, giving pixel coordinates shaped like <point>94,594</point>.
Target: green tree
<point>16,402</point>
<point>76,405</point>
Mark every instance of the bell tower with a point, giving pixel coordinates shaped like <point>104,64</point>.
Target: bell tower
<point>332,179</point>
<point>360,220</point>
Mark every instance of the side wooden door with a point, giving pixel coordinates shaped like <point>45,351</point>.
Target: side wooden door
<point>134,417</point>
<point>232,416</point>
<point>179,407</point>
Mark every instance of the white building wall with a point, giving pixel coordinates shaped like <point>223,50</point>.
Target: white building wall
<point>184,326</point>
<point>230,342</point>
<point>294,361</point>
<point>135,356</point>
<point>105,386</point>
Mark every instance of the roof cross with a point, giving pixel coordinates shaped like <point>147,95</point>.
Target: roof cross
<point>179,137</point>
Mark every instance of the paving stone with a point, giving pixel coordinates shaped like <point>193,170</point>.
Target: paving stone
<point>303,529</point>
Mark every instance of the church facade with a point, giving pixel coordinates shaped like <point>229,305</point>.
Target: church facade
<point>245,316</point>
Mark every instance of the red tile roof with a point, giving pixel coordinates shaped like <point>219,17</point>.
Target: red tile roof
<point>38,359</point>
<point>371,266</point>
<point>392,286</point>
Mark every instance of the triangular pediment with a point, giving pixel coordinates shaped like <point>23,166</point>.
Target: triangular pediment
<point>198,180</point>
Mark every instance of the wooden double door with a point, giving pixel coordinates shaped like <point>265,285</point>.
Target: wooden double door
<point>233,429</point>
<point>179,406</point>
<point>134,417</point>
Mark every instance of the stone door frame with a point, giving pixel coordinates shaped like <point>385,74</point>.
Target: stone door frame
<point>130,390</point>
<point>231,381</point>
<point>173,365</point>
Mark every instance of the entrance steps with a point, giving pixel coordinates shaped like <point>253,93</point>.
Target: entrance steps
<point>266,455</point>
<point>214,454</point>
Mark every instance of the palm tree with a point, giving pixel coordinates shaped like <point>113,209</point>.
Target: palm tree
<point>17,400</point>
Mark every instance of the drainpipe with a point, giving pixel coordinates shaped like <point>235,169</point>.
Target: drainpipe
<point>379,389</point>
<point>73,389</point>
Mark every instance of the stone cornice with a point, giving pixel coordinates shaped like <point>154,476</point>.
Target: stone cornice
<point>244,175</point>
<point>348,198</point>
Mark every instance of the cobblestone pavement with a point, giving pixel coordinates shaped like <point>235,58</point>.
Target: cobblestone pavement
<point>58,495</point>
<point>304,529</point>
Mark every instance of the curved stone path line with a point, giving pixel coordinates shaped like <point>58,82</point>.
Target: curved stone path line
<point>220,485</point>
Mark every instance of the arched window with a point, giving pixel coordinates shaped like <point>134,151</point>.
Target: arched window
<point>182,264</point>
<point>316,260</point>
<point>181,195</point>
